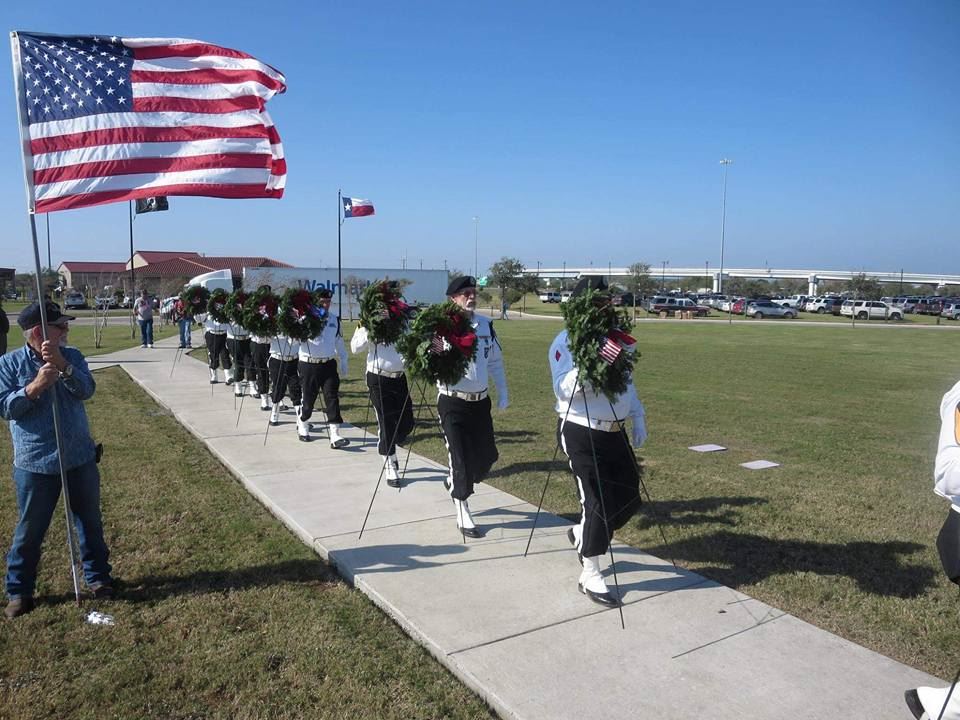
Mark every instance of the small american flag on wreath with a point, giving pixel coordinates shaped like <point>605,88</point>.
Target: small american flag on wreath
<point>108,119</point>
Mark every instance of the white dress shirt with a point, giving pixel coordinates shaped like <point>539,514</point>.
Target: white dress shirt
<point>380,358</point>
<point>328,344</point>
<point>946,471</point>
<point>488,363</point>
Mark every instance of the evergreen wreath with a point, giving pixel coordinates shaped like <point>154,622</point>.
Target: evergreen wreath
<point>591,322</point>
<point>301,317</point>
<point>383,312</point>
<point>260,313</point>
<point>194,299</point>
<point>440,344</point>
<point>235,307</point>
<point>217,305</point>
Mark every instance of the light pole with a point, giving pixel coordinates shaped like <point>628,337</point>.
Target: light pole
<point>723,220</point>
<point>663,275</point>
<point>706,280</point>
<point>476,244</point>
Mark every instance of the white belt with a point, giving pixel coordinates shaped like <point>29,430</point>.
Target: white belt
<point>596,424</point>
<point>470,397</point>
<point>216,332</point>
<point>387,373</point>
<point>315,360</point>
<point>237,337</point>
<point>284,358</point>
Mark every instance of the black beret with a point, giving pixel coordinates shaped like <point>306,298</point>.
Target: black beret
<point>30,316</point>
<point>324,294</point>
<point>459,284</point>
<point>590,282</point>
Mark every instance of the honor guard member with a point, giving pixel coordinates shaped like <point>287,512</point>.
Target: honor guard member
<point>215,335</point>
<point>604,435</point>
<point>944,702</point>
<point>238,340</point>
<point>284,378</point>
<point>389,396</point>
<point>260,354</point>
<point>464,408</point>
<point>318,362</point>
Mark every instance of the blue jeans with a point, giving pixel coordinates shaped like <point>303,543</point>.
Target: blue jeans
<point>146,331</point>
<point>37,496</point>
<point>185,332</point>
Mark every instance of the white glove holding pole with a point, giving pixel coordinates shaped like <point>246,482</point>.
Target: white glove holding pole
<point>638,436</point>
<point>503,402</point>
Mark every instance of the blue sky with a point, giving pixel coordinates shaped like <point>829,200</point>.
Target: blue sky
<point>575,132</point>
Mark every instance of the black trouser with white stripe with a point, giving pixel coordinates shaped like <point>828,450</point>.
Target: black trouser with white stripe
<point>315,377</point>
<point>242,359</point>
<point>394,413</point>
<point>618,481</point>
<point>261,356</point>
<point>284,378</point>
<point>467,429</point>
<point>217,351</point>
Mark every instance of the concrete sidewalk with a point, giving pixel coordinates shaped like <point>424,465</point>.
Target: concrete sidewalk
<point>515,629</point>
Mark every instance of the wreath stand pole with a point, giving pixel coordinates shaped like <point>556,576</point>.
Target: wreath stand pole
<point>175,358</point>
<point>603,508</point>
<point>543,493</point>
<point>422,404</point>
<point>281,373</point>
<point>643,485</point>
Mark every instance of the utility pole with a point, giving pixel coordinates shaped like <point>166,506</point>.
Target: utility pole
<point>723,220</point>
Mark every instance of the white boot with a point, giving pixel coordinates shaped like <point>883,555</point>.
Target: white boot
<point>238,388</point>
<point>264,402</point>
<point>932,700</point>
<point>229,374</point>
<point>592,585</point>
<point>213,377</point>
<point>393,471</point>
<point>275,414</point>
<point>336,440</point>
<point>303,429</point>
<point>465,520</point>
<point>252,389</point>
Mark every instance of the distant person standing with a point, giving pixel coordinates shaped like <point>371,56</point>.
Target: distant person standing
<point>945,702</point>
<point>184,320</point>
<point>4,329</point>
<point>143,312</point>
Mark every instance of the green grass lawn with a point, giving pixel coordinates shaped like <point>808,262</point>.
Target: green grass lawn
<point>223,613</point>
<point>842,535</point>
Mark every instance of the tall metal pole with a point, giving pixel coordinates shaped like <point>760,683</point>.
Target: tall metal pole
<point>49,264</point>
<point>476,244</point>
<point>723,220</point>
<point>663,275</point>
<point>133,286</point>
<point>339,263</point>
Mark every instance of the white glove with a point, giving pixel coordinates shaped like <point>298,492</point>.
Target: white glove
<point>503,402</point>
<point>639,434</point>
<point>343,368</point>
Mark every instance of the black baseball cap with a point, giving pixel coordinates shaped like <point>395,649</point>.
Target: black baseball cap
<point>459,284</point>
<point>30,316</point>
<point>324,294</point>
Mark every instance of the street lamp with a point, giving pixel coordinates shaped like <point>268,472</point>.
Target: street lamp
<point>663,275</point>
<point>476,235</point>
<point>723,220</point>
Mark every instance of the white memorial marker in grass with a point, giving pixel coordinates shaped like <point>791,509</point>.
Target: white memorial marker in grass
<point>759,465</point>
<point>710,447</point>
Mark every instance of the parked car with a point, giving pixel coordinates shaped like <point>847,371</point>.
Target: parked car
<point>870,310</point>
<point>951,311</point>
<point>549,296</point>
<point>74,301</point>
<point>672,305</point>
<point>759,309</point>
<point>907,304</point>
<point>825,306</point>
<point>794,301</point>
<point>107,302</point>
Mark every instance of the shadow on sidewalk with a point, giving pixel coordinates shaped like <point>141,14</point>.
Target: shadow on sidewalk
<point>392,558</point>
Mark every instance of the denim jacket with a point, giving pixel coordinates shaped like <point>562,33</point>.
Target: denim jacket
<point>31,421</point>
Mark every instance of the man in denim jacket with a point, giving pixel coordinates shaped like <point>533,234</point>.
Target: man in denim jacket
<point>28,379</point>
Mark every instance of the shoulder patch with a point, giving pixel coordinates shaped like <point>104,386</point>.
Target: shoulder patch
<point>956,424</point>
<point>557,355</point>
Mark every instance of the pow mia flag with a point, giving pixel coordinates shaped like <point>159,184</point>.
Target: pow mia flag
<point>152,204</point>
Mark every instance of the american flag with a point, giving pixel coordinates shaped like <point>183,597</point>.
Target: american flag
<point>438,345</point>
<point>107,119</point>
<point>610,350</point>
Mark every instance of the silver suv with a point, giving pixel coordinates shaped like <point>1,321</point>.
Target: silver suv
<point>760,309</point>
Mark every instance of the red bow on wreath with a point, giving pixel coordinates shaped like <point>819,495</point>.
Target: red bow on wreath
<point>464,343</point>
<point>397,308</point>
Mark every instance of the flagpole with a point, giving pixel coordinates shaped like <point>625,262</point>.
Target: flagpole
<point>41,301</point>
<point>339,263</point>
<point>133,287</point>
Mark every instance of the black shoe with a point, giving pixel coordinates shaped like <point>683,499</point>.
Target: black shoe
<point>606,599</point>
<point>303,438</point>
<point>394,482</point>
<point>102,591</point>
<point>446,484</point>
<point>228,381</point>
<point>573,541</point>
<point>473,532</point>
<point>913,702</point>
<point>18,606</point>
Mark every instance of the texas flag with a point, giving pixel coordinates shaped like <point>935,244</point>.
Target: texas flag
<point>355,207</point>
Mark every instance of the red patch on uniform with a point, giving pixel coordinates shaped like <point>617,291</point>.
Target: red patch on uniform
<point>557,356</point>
